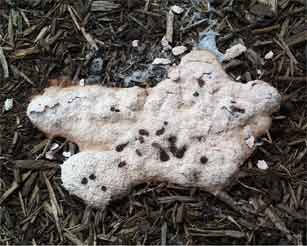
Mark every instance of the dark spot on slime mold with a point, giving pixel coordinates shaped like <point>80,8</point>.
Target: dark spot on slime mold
<point>92,176</point>
<point>120,147</point>
<point>203,160</point>
<point>143,132</point>
<point>138,152</point>
<point>195,94</point>
<point>84,181</point>
<point>201,82</point>
<point>122,164</point>
<point>160,131</point>
<point>141,139</point>
<point>113,109</point>
<point>162,153</point>
<point>237,109</point>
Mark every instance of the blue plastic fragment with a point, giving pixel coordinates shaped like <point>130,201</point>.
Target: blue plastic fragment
<point>207,40</point>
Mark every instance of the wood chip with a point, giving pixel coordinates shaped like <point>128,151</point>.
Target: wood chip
<point>164,234</point>
<point>18,73</point>
<point>14,186</point>
<point>35,164</point>
<point>104,6</point>
<point>54,205</point>
<point>73,238</point>
<point>170,26</point>
<point>297,38</point>
<point>276,220</point>
<point>4,64</point>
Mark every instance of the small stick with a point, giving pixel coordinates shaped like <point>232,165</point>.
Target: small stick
<point>21,74</point>
<point>73,17</point>
<point>14,186</point>
<point>288,51</point>
<point>55,208</point>
<point>266,29</point>
<point>4,64</point>
<point>275,219</point>
<point>86,35</point>
<point>170,26</point>
<point>288,78</point>
<point>184,29</point>
<point>89,39</point>
<point>297,38</point>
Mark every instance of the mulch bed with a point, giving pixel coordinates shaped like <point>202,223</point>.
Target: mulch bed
<point>45,39</point>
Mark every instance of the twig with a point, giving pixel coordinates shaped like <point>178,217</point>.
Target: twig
<point>86,35</point>
<point>35,164</point>
<point>103,6</point>
<point>73,238</point>
<point>170,26</point>
<point>89,38</point>
<point>73,17</point>
<point>163,233</point>
<point>291,78</point>
<point>184,29</point>
<point>297,38</point>
<point>288,51</point>
<point>266,29</point>
<point>275,219</point>
<point>21,74</point>
<point>4,64</point>
<point>54,205</point>
<point>14,186</point>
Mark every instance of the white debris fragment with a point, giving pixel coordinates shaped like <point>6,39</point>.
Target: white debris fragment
<point>189,131</point>
<point>250,141</point>
<point>54,146</point>
<point>165,44</point>
<point>179,50</point>
<point>49,155</point>
<point>259,72</point>
<point>234,52</point>
<point>161,61</point>
<point>177,9</point>
<point>135,43</point>
<point>263,165</point>
<point>269,55</point>
<point>82,82</point>
<point>66,154</point>
<point>258,143</point>
<point>8,104</point>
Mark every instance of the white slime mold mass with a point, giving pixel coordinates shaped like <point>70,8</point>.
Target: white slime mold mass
<point>191,129</point>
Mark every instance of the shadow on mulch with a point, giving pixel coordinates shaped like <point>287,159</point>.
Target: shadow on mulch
<point>53,39</point>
